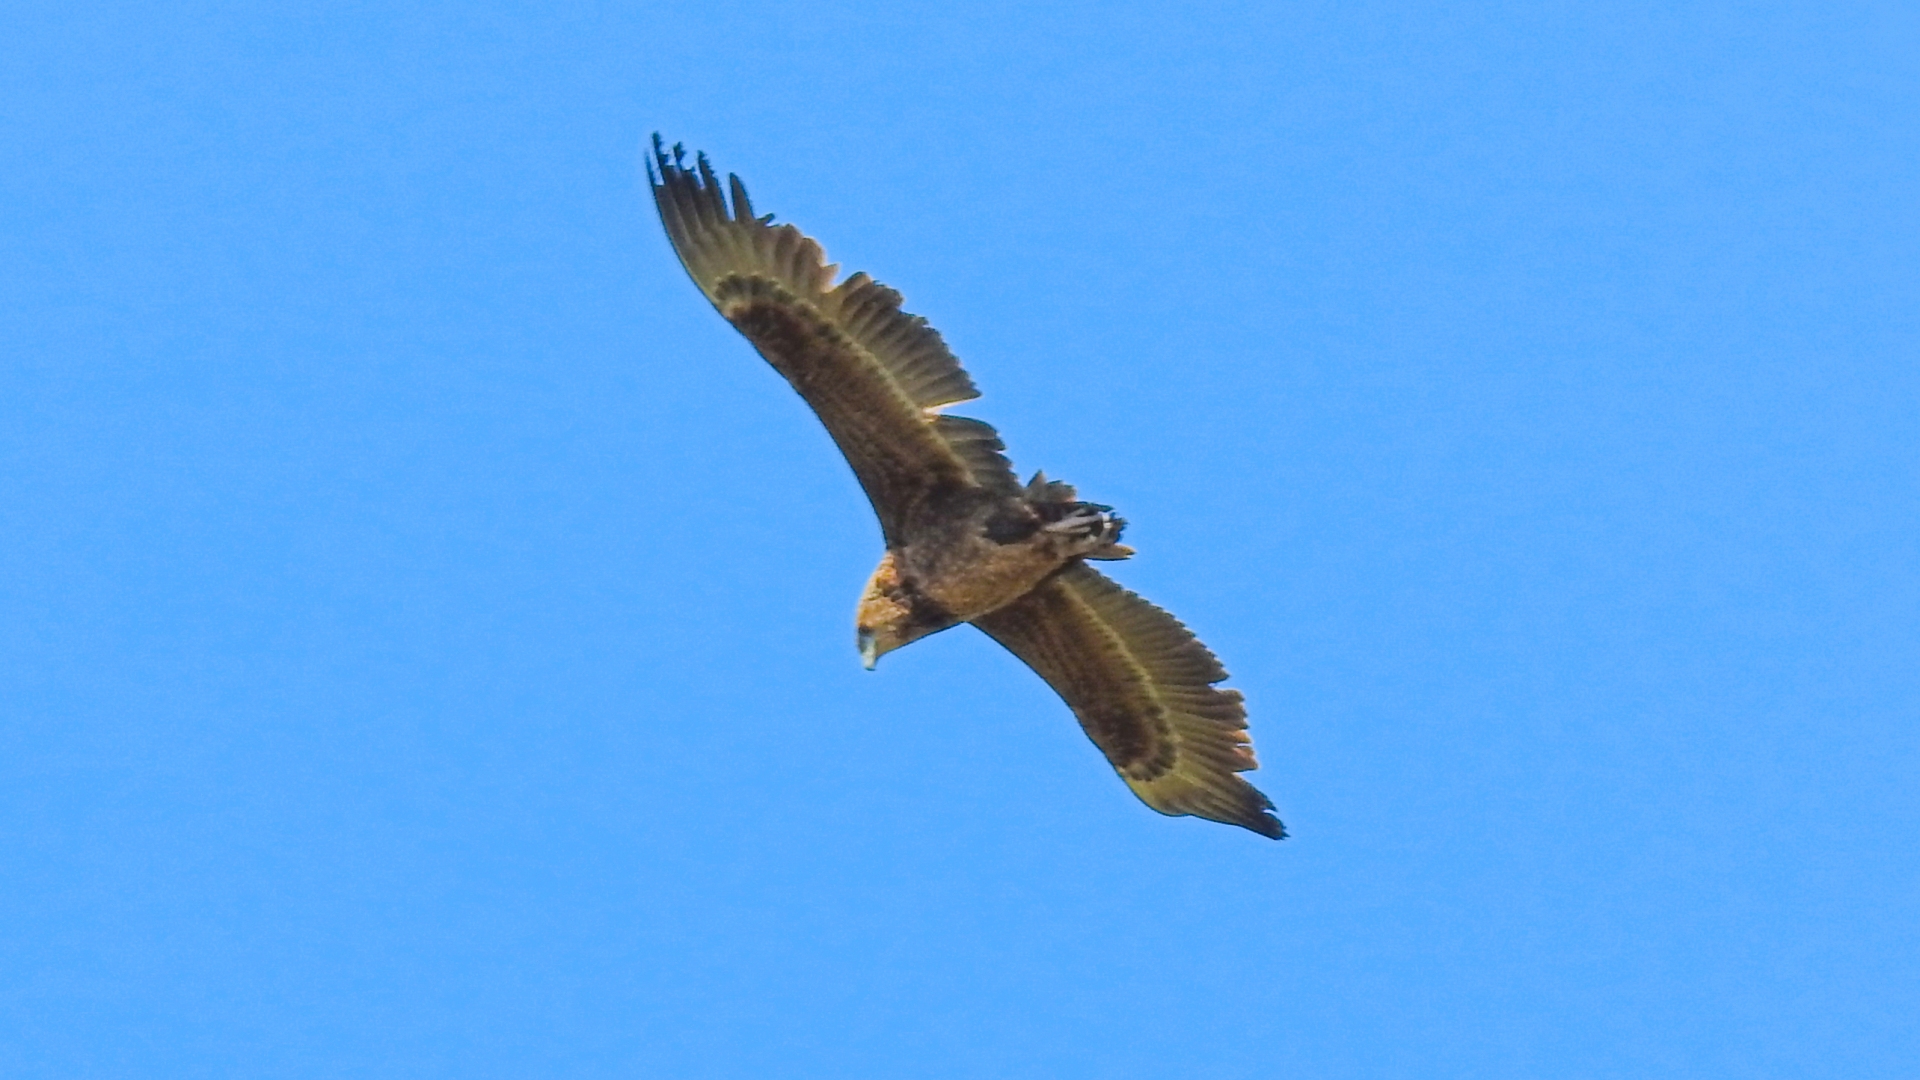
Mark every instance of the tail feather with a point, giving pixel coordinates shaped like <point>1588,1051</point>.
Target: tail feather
<point>1060,508</point>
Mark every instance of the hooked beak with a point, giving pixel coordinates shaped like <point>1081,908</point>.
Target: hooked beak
<point>869,649</point>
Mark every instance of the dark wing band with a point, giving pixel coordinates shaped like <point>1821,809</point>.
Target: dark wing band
<point>1142,686</point>
<point>871,372</point>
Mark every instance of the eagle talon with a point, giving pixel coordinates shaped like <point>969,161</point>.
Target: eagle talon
<point>1075,523</point>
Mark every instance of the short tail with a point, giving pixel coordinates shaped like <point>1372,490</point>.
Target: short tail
<point>1094,525</point>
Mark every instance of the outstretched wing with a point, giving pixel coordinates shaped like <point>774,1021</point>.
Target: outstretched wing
<point>1142,686</point>
<point>871,372</point>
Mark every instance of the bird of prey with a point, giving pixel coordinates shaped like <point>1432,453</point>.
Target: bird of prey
<point>965,540</point>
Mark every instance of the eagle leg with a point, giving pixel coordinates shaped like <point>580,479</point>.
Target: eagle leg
<point>1092,531</point>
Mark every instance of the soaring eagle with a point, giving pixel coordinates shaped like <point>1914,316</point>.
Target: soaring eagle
<point>965,540</point>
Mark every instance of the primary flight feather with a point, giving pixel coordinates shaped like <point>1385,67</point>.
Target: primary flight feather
<point>965,540</point>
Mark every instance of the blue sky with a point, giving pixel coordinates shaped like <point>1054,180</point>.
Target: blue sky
<point>426,628</point>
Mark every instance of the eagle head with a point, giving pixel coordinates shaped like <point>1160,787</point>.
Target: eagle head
<point>893,612</point>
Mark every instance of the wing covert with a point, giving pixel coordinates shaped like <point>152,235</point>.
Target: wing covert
<point>1142,688</point>
<point>871,372</point>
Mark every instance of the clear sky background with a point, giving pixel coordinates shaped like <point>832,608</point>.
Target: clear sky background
<point>426,640</point>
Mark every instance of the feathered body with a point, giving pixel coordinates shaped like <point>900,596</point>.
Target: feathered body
<point>965,540</point>
<point>967,552</point>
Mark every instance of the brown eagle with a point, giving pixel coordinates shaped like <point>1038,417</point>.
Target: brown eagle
<point>966,541</point>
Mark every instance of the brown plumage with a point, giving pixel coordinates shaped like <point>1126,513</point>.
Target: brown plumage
<point>965,540</point>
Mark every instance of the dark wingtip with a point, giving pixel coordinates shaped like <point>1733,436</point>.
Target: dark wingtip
<point>1265,824</point>
<point>1259,817</point>
<point>670,162</point>
<point>742,206</point>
